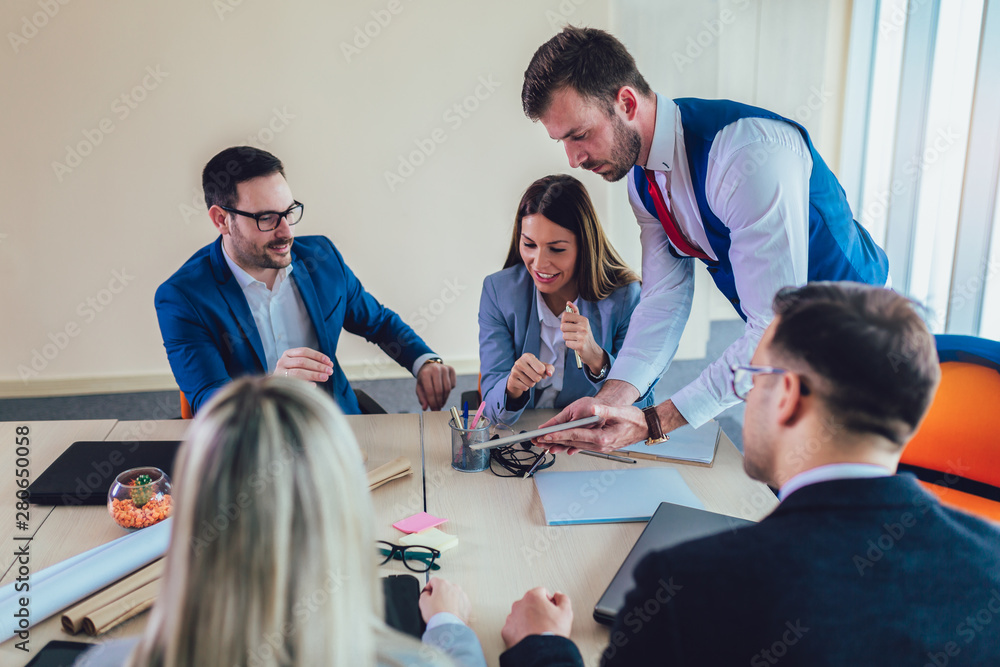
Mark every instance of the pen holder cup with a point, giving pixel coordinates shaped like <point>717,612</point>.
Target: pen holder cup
<point>463,457</point>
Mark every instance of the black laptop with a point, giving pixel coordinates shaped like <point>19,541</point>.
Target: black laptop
<point>83,473</point>
<point>669,526</point>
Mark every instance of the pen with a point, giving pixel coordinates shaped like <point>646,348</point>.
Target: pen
<point>534,467</point>
<point>479,413</point>
<point>579,359</point>
<point>465,414</point>
<point>454,415</point>
<point>610,457</point>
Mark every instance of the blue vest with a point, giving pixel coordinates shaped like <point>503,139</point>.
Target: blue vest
<point>839,248</point>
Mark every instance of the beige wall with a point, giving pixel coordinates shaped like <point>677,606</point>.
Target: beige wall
<point>85,241</point>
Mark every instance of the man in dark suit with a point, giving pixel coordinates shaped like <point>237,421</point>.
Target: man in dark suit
<point>857,565</point>
<point>258,300</point>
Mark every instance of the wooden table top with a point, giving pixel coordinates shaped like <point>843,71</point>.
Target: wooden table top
<point>504,548</point>
<point>62,532</point>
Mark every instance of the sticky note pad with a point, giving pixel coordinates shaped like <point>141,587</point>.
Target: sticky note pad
<point>418,522</point>
<point>433,538</point>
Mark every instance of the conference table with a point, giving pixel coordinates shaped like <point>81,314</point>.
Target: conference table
<point>505,546</point>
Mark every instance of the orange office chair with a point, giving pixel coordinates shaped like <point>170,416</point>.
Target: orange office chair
<point>186,411</point>
<point>956,451</point>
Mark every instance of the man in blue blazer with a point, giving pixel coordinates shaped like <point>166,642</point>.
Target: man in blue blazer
<point>258,300</point>
<point>857,565</point>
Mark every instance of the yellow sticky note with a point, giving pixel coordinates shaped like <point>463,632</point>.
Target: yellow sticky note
<point>433,538</point>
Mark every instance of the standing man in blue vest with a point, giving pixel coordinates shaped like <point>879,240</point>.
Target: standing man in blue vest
<point>740,188</point>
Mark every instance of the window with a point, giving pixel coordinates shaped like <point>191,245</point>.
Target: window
<point>922,122</point>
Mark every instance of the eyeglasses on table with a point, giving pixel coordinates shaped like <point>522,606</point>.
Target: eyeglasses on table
<point>415,557</point>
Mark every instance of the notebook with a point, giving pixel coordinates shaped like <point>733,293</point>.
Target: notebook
<point>671,525</point>
<point>83,473</point>
<point>610,496</point>
<point>686,445</point>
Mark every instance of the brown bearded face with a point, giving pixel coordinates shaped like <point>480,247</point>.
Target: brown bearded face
<point>624,154</point>
<point>256,255</point>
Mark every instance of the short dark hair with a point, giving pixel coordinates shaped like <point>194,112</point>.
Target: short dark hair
<point>563,199</point>
<point>234,166</point>
<point>592,62</point>
<point>876,359</point>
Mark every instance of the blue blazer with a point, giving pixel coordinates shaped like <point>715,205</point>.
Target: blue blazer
<point>509,328</point>
<point>211,337</point>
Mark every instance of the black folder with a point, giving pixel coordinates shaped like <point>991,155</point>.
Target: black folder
<point>83,474</point>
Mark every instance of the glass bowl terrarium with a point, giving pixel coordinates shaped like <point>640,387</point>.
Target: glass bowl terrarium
<point>139,498</point>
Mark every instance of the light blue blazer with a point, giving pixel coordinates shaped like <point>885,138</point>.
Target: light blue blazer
<point>509,328</point>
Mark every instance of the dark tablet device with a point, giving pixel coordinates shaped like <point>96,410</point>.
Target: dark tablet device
<point>58,654</point>
<point>83,473</point>
<point>670,525</point>
<point>402,604</point>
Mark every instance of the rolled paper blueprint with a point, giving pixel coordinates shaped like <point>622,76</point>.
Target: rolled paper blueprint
<point>394,469</point>
<point>8,592</point>
<point>102,566</point>
<point>74,617</point>
<point>101,620</point>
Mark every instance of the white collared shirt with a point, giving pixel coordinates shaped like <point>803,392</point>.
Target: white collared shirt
<point>280,314</point>
<point>831,472</point>
<point>551,351</point>
<point>757,183</point>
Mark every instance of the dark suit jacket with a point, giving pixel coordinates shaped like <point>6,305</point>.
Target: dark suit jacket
<point>509,327</point>
<point>211,337</point>
<point>846,572</point>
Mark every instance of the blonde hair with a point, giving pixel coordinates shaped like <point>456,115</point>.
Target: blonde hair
<point>271,552</point>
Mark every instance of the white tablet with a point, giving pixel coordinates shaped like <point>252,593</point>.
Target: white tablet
<point>530,435</point>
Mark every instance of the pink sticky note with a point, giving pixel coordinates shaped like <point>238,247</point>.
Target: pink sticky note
<point>418,522</point>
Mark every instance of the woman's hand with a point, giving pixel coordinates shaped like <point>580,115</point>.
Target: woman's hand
<point>579,338</point>
<point>440,595</point>
<point>527,372</point>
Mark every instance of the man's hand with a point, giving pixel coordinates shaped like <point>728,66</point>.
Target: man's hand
<point>536,613</point>
<point>619,427</point>
<point>440,595</point>
<point>434,383</point>
<point>304,363</point>
<point>617,392</point>
<point>527,372</point>
<point>579,338</point>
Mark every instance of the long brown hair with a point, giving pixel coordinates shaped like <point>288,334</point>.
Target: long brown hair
<point>563,200</point>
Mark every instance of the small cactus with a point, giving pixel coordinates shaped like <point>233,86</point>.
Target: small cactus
<point>143,491</point>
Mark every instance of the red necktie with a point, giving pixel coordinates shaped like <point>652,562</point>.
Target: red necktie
<point>667,220</point>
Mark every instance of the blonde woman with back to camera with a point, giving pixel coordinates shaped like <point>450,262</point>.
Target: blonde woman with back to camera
<point>292,579</point>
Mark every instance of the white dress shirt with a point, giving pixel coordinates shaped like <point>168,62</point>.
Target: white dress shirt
<point>552,351</point>
<point>831,472</point>
<point>757,183</point>
<point>280,314</point>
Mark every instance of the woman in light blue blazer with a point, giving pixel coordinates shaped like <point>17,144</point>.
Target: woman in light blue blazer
<point>552,321</point>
